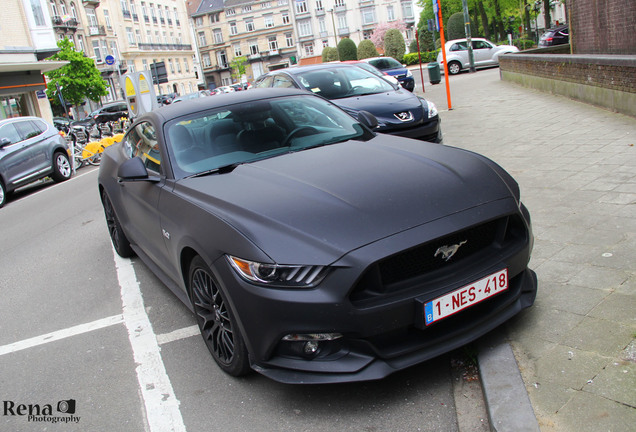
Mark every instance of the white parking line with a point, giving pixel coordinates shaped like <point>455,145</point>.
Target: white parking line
<point>61,334</point>
<point>179,334</point>
<point>162,406</point>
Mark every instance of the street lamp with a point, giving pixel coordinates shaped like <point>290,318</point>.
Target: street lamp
<point>335,36</point>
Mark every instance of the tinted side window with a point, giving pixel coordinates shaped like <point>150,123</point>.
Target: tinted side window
<point>9,132</point>
<point>282,81</point>
<point>141,141</point>
<point>27,129</point>
<point>265,82</point>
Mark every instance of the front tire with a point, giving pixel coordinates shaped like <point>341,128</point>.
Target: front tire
<point>216,321</point>
<point>117,236</point>
<point>454,68</point>
<point>3,195</point>
<point>62,169</point>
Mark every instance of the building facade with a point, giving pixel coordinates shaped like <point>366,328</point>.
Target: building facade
<point>125,36</point>
<point>273,34</point>
<point>26,39</point>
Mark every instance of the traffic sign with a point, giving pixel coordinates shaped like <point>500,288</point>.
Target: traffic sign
<point>110,60</point>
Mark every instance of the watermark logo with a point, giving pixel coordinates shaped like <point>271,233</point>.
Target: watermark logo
<point>64,411</point>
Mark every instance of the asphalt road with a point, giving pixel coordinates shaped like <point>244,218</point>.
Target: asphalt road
<point>79,324</point>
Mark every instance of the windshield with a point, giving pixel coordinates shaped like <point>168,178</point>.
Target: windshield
<point>212,141</point>
<point>343,82</point>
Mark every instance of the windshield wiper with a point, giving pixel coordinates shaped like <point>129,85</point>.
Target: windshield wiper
<point>220,170</point>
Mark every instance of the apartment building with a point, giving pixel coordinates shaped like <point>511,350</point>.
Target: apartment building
<point>322,23</point>
<point>125,36</point>
<point>273,34</point>
<point>26,39</point>
<point>259,32</point>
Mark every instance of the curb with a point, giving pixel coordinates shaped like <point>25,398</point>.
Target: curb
<point>507,401</point>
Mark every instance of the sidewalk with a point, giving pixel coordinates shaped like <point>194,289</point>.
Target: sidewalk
<point>576,166</point>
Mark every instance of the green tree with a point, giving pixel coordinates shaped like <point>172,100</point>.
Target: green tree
<point>78,80</point>
<point>455,26</point>
<point>329,54</point>
<point>394,45</point>
<point>238,68</point>
<point>366,49</point>
<point>347,50</point>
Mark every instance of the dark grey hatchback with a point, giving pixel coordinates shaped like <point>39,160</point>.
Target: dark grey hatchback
<point>311,249</point>
<point>30,149</point>
<point>399,112</point>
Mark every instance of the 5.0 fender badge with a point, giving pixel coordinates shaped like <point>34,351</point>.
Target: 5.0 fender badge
<point>448,251</point>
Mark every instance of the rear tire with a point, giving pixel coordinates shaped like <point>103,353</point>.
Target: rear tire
<point>61,167</point>
<point>3,194</point>
<point>454,68</point>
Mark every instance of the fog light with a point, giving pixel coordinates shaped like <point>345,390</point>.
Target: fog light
<point>294,337</point>
<point>311,347</point>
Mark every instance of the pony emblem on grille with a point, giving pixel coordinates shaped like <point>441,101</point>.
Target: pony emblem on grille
<point>448,251</point>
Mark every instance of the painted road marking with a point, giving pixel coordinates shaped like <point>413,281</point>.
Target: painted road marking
<point>61,334</point>
<point>179,334</point>
<point>162,406</point>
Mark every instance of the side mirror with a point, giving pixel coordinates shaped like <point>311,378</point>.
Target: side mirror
<point>367,119</point>
<point>134,170</point>
<point>4,142</point>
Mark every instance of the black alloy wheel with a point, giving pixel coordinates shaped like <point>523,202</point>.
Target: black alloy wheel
<point>117,236</point>
<point>216,321</point>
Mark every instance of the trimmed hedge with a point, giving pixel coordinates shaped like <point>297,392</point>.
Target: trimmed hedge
<point>427,57</point>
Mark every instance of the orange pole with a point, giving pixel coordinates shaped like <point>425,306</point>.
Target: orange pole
<point>441,34</point>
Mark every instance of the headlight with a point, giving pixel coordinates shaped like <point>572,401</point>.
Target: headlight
<point>432,109</point>
<point>291,276</point>
<point>409,73</point>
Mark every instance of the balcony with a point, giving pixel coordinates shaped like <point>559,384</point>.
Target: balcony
<point>343,32</point>
<point>320,12</point>
<point>91,2</point>
<point>135,17</point>
<point>164,47</point>
<point>60,23</point>
<point>146,18</point>
<point>169,21</point>
<point>98,30</point>
<point>126,14</point>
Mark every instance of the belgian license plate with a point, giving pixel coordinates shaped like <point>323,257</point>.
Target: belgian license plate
<point>465,297</point>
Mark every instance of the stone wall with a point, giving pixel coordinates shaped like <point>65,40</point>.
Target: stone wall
<point>602,26</point>
<point>608,81</point>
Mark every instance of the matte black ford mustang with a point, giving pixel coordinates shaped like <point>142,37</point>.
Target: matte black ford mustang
<point>311,249</point>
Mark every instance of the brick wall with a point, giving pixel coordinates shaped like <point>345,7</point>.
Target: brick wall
<point>602,26</point>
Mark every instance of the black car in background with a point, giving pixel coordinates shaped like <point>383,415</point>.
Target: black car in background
<point>112,111</point>
<point>398,111</point>
<point>311,249</point>
<point>556,36</point>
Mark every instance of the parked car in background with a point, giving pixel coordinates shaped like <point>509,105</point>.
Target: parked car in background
<point>392,67</point>
<point>311,249</point>
<point>112,111</point>
<point>189,96</point>
<point>485,54</point>
<point>374,70</point>
<point>398,111</point>
<point>30,149</point>
<point>556,36</point>
<point>164,99</point>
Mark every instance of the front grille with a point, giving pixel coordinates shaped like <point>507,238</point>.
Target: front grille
<point>420,264</point>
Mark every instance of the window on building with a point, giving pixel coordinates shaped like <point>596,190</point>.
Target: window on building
<point>149,36</point>
<point>186,64</point>
<point>253,46</point>
<point>342,22</point>
<point>171,66</point>
<point>98,52</point>
<point>73,11</point>
<point>237,50</point>
<point>289,39</point>
<point>107,19</point>
<point>322,25</point>
<point>407,9</point>
<point>130,35</point>
<point>390,13</point>
<point>285,18</point>
<point>325,43</point>
<point>272,43</point>
<point>368,16</point>
<point>247,8</point>
<point>266,5</point>
<point>221,57</point>
<point>339,3</point>
<point>206,60</point>
<point>249,25</point>
<point>319,5</point>
<point>198,21</point>
<point>230,12</point>
<point>202,41</point>
<point>269,21</point>
<point>80,42</point>
<point>218,36</point>
<point>233,28</point>
<point>304,28</point>
<point>301,6</point>
<point>308,48</point>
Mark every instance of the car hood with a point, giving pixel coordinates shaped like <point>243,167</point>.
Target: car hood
<point>384,106</point>
<point>314,206</point>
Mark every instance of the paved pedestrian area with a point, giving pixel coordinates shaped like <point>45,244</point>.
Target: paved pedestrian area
<point>576,165</point>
